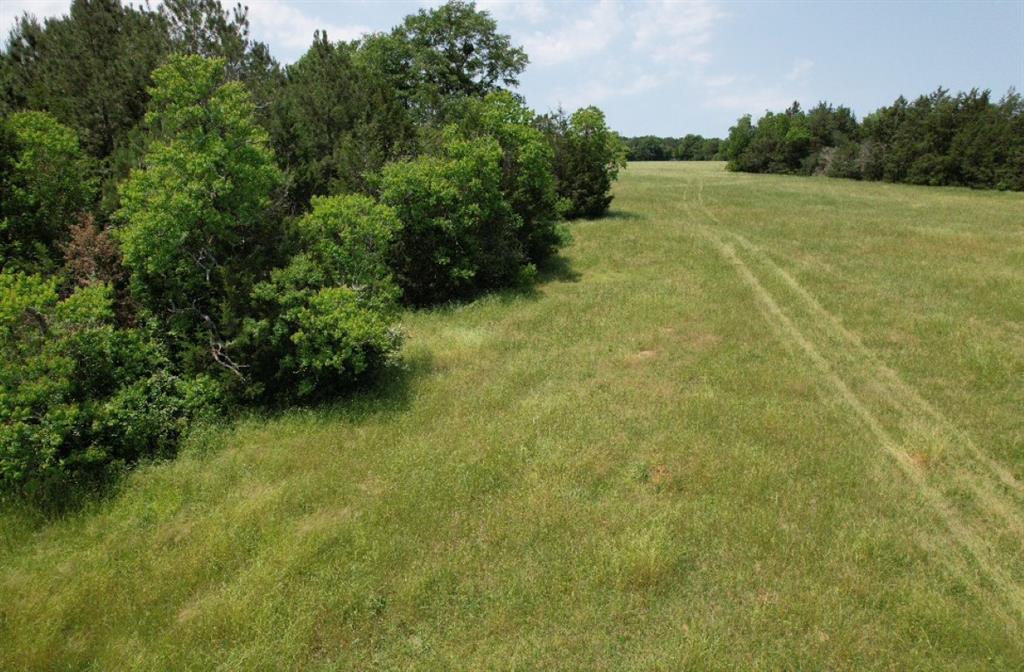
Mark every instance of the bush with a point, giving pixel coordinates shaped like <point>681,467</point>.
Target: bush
<point>459,235</point>
<point>45,182</point>
<point>325,320</point>
<point>588,156</point>
<point>79,397</point>
<point>528,178</point>
<point>843,161</point>
<point>198,230</point>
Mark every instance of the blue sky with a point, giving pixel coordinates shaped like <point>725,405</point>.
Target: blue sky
<point>671,68</point>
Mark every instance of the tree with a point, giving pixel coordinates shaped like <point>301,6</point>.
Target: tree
<point>457,50</point>
<point>324,321</point>
<point>80,397</point>
<point>90,69</point>
<point>739,138</point>
<point>528,178</point>
<point>334,121</point>
<point>197,224</point>
<point>442,54</point>
<point>588,156</point>
<point>206,28</point>
<point>459,233</point>
<point>45,183</point>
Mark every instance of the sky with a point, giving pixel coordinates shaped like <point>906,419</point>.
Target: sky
<point>674,67</point>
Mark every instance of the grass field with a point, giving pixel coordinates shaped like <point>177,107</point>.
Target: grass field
<point>751,422</point>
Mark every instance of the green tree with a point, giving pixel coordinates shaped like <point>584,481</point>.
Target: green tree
<point>325,319</point>
<point>442,54</point>
<point>588,157</point>
<point>459,234</point>
<point>90,69</point>
<point>80,397</point>
<point>456,50</point>
<point>197,227</point>
<point>45,183</point>
<point>334,121</point>
<point>528,178</point>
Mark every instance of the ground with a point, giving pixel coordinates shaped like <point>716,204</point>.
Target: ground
<point>746,422</point>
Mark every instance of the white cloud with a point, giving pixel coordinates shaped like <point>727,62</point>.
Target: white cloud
<point>675,31</point>
<point>10,10</point>
<point>800,69</point>
<point>754,101</point>
<point>718,81</point>
<point>532,11</point>
<point>664,31</point>
<point>583,37</point>
<point>286,27</point>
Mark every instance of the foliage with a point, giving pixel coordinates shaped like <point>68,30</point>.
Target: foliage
<point>80,397</point>
<point>459,234</point>
<point>588,156</point>
<point>691,147</point>
<point>197,267</point>
<point>196,228</point>
<point>325,319</point>
<point>45,183</point>
<point>90,68</point>
<point>938,139</point>
<point>528,179</point>
<point>445,53</point>
<point>334,120</point>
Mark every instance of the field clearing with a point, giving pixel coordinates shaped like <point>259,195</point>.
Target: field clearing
<point>749,422</point>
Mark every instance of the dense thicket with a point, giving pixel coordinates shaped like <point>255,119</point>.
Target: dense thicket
<point>691,147</point>
<point>91,69</point>
<point>939,139</point>
<point>187,227</point>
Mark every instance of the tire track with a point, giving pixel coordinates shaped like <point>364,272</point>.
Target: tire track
<point>909,397</point>
<point>970,536</point>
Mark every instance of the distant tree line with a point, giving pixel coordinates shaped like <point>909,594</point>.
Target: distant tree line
<point>187,227</point>
<point>966,140</point>
<point>687,148</point>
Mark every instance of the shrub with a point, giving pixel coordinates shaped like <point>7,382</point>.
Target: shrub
<point>80,397</point>
<point>528,178</point>
<point>325,320</point>
<point>844,161</point>
<point>197,226</point>
<point>45,182</point>
<point>588,156</point>
<point>459,235</point>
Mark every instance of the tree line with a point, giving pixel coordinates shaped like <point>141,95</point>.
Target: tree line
<point>690,147</point>
<point>968,139</point>
<point>188,227</point>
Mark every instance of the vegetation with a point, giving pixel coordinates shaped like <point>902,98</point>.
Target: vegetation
<point>45,182</point>
<point>963,140</point>
<point>242,234</point>
<point>588,156</point>
<point>191,233</point>
<point>691,147</point>
<point>602,472</point>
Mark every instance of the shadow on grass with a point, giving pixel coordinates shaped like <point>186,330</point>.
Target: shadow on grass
<point>385,393</point>
<point>621,214</point>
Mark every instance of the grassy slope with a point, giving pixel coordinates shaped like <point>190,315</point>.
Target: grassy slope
<point>754,422</point>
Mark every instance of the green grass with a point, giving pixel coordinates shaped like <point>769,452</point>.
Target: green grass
<point>751,422</point>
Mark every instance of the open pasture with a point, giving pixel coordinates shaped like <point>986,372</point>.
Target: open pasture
<point>746,422</point>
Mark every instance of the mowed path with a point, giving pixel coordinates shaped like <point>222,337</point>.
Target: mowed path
<point>748,422</point>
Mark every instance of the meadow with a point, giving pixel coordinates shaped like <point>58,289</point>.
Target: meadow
<point>743,422</point>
